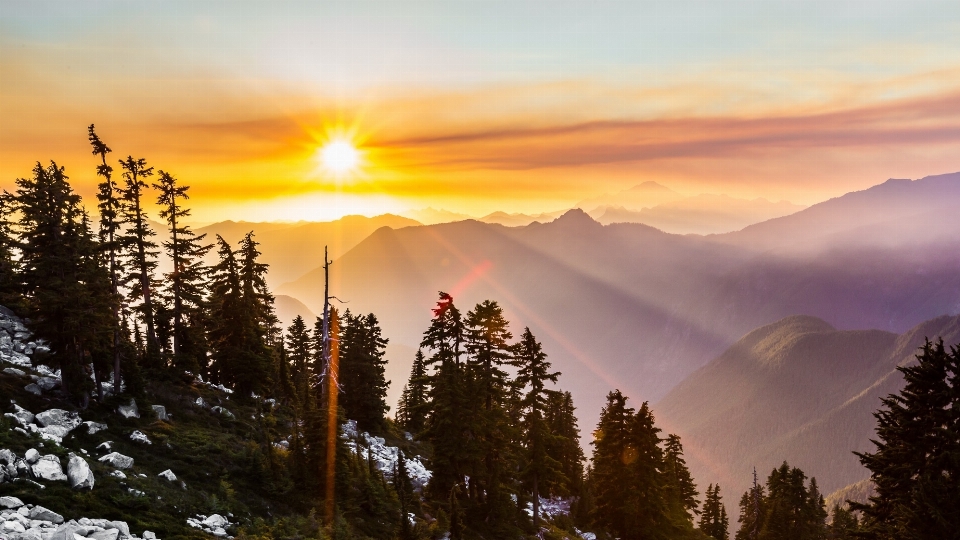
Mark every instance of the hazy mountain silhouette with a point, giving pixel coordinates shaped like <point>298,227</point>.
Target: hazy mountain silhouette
<point>645,195</point>
<point>891,214</point>
<point>795,390</point>
<point>288,308</point>
<point>292,249</point>
<point>702,214</point>
<point>433,216</point>
<point>520,220</point>
<point>629,306</point>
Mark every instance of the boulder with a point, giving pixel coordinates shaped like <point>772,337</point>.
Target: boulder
<point>7,457</point>
<point>41,513</point>
<point>10,502</point>
<point>48,468</point>
<point>105,446</point>
<point>59,418</point>
<point>130,410</point>
<point>14,371</point>
<point>117,460</point>
<point>13,527</point>
<point>33,389</point>
<point>24,416</point>
<point>161,412</point>
<point>219,532</point>
<point>66,532</point>
<point>31,455</point>
<point>120,526</point>
<point>79,473</point>
<point>215,520</point>
<point>94,427</point>
<point>107,534</point>
<point>149,535</point>
<point>168,476</point>
<point>48,383</point>
<point>140,437</point>
<point>30,534</point>
<point>118,474</point>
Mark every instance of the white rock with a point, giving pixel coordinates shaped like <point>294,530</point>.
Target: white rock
<point>33,389</point>
<point>7,457</point>
<point>168,476</point>
<point>48,468</point>
<point>10,502</point>
<point>140,437</point>
<point>118,474</point>
<point>119,525</point>
<point>160,411</point>
<point>94,427</point>
<point>32,455</point>
<point>13,527</point>
<point>105,446</point>
<point>107,534</point>
<point>79,473</point>
<point>14,371</point>
<point>130,410</point>
<point>149,535</point>
<point>215,520</point>
<point>219,532</point>
<point>48,383</point>
<point>117,460</point>
<point>136,492</point>
<point>41,513</point>
<point>60,418</point>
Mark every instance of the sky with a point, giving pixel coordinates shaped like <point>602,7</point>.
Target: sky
<point>476,106</point>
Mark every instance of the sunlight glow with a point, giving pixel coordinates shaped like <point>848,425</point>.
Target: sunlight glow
<point>339,157</point>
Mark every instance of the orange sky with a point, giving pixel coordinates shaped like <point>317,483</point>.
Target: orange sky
<point>475,126</point>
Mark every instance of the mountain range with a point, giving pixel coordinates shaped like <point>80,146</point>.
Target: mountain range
<point>633,307</point>
<point>292,249</point>
<point>797,390</point>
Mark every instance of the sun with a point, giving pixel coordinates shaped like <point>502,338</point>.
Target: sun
<point>339,156</point>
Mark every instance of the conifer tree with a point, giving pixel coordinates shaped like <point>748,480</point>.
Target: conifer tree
<point>300,352</point>
<point>844,526</point>
<point>185,284</point>
<point>788,509</point>
<point>362,372</point>
<point>456,514</point>
<point>540,470</point>
<point>610,460</point>
<point>141,251</point>
<point>916,465</point>
<point>561,418</point>
<point>109,206</point>
<point>713,518</point>
<point>9,280</point>
<point>413,409</point>
<point>486,342</point>
<point>445,429</point>
<point>680,489</point>
<point>67,293</point>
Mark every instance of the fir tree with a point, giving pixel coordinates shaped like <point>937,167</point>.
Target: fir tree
<point>680,489</point>
<point>844,526</point>
<point>540,469</point>
<point>185,284</point>
<point>300,353</point>
<point>362,372</point>
<point>486,342</point>
<point>713,518</point>
<point>565,447</point>
<point>611,457</point>
<point>140,250</point>
<point>916,465</point>
<point>445,429</point>
<point>413,409</point>
<point>67,293</point>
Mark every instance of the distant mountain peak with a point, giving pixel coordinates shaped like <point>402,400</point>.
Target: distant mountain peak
<point>576,216</point>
